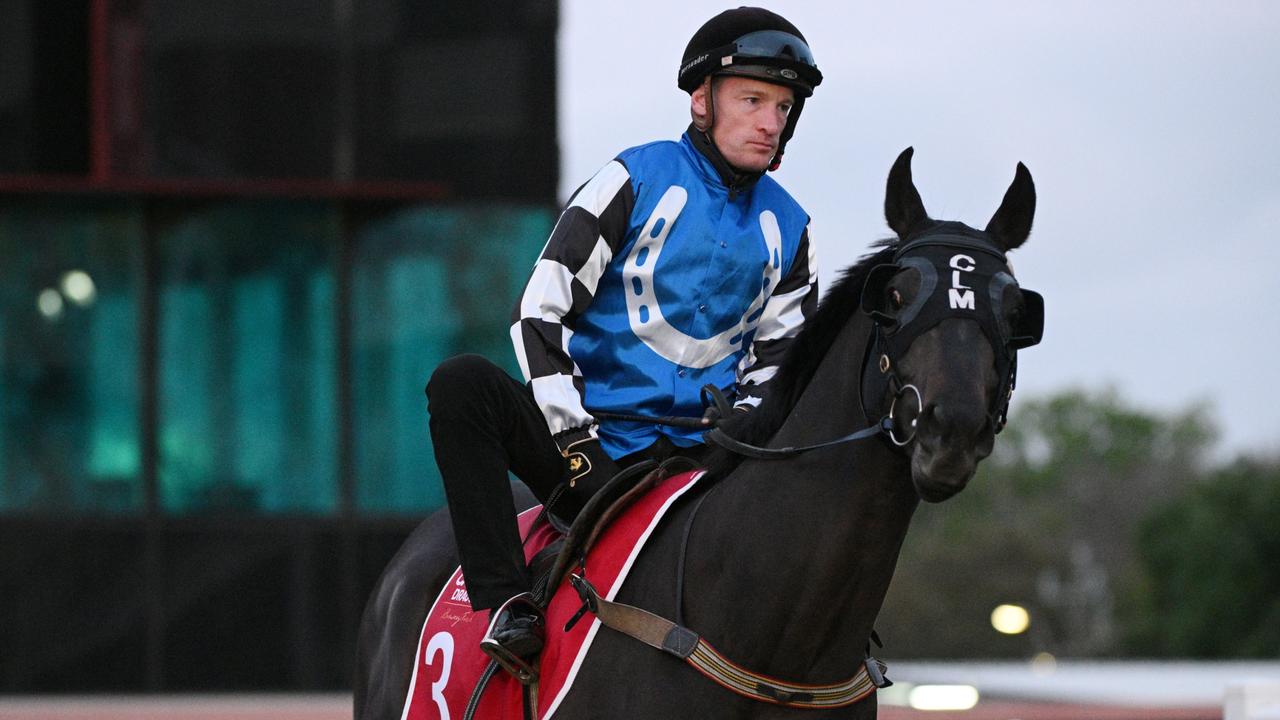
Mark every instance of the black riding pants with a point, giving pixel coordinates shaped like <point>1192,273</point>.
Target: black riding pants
<point>483,423</point>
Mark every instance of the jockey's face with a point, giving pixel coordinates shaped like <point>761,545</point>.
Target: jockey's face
<point>748,121</point>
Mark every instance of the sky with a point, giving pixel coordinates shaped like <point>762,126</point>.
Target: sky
<point>1152,130</point>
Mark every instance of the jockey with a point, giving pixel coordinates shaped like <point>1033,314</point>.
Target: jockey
<point>679,264</point>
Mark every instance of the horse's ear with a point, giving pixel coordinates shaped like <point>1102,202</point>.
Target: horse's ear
<point>903,208</point>
<point>1011,224</point>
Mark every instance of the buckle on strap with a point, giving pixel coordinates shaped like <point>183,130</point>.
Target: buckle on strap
<point>652,630</point>
<point>875,671</point>
<point>590,599</point>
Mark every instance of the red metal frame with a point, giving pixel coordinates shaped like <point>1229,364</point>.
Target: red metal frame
<point>240,188</point>
<point>103,178</point>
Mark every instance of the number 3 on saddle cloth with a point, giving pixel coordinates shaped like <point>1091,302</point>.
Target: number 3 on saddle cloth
<point>449,661</point>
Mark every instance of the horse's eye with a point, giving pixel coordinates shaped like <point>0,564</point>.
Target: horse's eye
<point>895,299</point>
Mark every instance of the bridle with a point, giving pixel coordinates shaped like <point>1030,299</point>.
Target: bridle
<point>892,406</point>
<point>979,279</point>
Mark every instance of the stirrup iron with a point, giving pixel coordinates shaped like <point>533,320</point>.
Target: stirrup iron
<point>521,669</point>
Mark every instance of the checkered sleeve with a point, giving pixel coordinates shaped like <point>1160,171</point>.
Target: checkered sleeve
<point>792,302</point>
<point>583,243</point>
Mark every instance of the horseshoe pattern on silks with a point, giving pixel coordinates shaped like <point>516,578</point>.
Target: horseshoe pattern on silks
<point>645,313</point>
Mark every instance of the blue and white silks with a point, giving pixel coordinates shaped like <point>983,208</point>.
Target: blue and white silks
<point>656,282</point>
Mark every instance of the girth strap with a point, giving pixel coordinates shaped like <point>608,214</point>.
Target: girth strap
<point>664,635</point>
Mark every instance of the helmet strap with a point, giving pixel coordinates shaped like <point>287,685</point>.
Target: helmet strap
<point>787,132</point>
<point>704,122</point>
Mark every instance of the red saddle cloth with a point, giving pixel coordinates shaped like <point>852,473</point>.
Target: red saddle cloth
<point>449,661</point>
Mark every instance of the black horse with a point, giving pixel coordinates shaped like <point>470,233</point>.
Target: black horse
<point>787,561</point>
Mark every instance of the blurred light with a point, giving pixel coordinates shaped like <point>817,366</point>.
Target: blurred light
<point>943,697</point>
<point>79,288</point>
<point>1044,664</point>
<point>897,694</point>
<point>49,302</point>
<point>1010,619</point>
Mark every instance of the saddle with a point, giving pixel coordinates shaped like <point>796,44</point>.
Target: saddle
<point>452,674</point>
<point>551,564</point>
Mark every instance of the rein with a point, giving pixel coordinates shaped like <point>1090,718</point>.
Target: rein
<point>690,423</point>
<point>716,436</point>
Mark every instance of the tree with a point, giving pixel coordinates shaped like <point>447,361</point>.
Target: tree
<point>1049,523</point>
<point>1212,580</point>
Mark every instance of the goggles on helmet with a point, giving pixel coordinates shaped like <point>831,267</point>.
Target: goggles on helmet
<point>774,44</point>
<point>772,55</point>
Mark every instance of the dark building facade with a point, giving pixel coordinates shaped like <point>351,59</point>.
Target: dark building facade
<point>235,238</point>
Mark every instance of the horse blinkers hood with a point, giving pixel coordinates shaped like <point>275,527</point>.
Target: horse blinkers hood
<point>963,273</point>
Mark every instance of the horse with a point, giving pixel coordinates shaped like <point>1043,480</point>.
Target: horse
<point>786,561</point>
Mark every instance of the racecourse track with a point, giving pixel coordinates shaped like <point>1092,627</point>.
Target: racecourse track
<point>338,707</point>
<point>178,707</point>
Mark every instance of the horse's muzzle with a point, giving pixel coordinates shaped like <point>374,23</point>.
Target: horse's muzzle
<point>939,476</point>
<point>942,465</point>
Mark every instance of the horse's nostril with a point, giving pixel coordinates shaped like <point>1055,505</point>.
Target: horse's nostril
<point>936,415</point>
<point>938,419</point>
<point>952,421</point>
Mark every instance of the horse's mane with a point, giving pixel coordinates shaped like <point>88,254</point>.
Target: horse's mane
<point>801,360</point>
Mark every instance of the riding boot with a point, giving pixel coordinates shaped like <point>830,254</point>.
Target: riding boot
<point>516,634</point>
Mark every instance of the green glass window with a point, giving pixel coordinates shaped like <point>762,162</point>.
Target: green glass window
<point>247,359</point>
<point>428,283</point>
<point>68,357</point>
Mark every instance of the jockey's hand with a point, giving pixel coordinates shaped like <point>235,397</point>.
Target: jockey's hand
<point>712,417</point>
<point>719,410</point>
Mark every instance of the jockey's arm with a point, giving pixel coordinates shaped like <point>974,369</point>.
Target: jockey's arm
<point>588,233</point>
<point>792,302</point>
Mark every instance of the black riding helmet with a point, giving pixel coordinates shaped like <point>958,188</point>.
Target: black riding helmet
<point>757,43</point>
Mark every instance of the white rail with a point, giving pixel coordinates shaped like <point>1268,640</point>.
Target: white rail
<point>1252,700</point>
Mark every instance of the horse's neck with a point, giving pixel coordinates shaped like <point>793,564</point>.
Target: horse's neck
<point>806,547</point>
